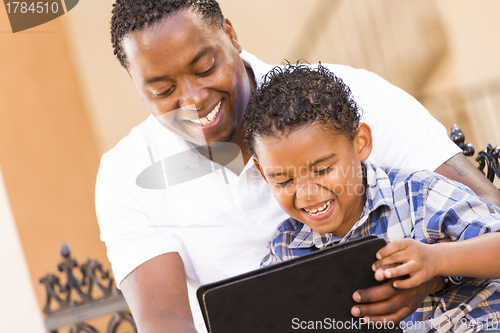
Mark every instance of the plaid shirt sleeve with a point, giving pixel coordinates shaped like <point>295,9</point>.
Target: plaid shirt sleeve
<point>452,210</point>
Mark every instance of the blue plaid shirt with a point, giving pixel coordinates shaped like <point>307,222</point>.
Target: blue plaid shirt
<point>426,207</point>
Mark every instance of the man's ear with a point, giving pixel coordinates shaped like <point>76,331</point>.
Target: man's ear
<point>364,142</point>
<point>257,164</point>
<point>231,33</point>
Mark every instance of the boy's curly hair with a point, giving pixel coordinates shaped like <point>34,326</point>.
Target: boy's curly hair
<point>135,15</point>
<point>295,95</point>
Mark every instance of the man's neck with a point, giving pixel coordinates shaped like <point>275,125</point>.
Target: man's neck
<point>239,138</point>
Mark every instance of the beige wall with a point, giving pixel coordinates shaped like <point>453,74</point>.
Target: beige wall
<point>48,153</point>
<point>19,310</point>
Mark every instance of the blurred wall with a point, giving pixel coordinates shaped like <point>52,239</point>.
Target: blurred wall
<point>19,310</point>
<point>48,152</point>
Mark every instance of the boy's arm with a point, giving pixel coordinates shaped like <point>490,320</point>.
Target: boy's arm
<point>477,257</point>
<point>449,211</point>
<point>458,168</point>
<point>156,293</point>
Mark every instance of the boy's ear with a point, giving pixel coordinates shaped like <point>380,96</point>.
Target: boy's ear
<point>231,33</point>
<point>257,164</point>
<point>364,142</point>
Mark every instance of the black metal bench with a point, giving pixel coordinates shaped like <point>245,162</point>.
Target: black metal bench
<point>488,157</point>
<point>87,293</point>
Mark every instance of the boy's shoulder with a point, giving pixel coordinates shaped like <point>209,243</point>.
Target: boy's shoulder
<point>287,228</point>
<point>415,180</point>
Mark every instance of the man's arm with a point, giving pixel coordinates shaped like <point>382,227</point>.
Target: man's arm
<point>458,168</point>
<point>156,293</point>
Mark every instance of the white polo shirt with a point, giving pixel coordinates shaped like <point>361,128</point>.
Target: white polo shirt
<point>220,222</point>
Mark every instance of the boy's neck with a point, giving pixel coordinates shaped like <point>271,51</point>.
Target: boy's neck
<point>357,213</point>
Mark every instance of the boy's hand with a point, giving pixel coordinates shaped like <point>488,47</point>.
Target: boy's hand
<point>411,257</point>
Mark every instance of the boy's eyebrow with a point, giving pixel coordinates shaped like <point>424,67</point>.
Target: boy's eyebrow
<point>283,173</point>
<point>197,57</point>
<point>276,174</point>
<point>322,159</point>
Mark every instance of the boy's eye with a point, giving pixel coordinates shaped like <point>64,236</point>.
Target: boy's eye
<point>323,171</point>
<point>285,183</point>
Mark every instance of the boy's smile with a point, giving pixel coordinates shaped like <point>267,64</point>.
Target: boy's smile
<point>316,175</point>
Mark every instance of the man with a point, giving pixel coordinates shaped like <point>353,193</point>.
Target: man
<point>194,77</point>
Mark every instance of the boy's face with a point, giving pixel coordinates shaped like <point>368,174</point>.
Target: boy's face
<point>190,76</point>
<point>316,175</point>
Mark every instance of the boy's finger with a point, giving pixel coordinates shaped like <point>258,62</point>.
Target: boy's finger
<point>391,260</point>
<point>391,248</point>
<point>411,282</point>
<point>401,270</point>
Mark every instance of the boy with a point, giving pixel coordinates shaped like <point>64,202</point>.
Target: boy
<point>303,128</point>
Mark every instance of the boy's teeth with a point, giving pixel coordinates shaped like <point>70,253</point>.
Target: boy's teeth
<point>209,118</point>
<point>319,210</point>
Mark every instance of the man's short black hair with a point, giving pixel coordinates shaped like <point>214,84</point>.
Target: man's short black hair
<point>292,96</point>
<point>135,15</point>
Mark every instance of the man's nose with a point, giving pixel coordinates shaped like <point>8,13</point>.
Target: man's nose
<point>307,190</point>
<point>192,94</point>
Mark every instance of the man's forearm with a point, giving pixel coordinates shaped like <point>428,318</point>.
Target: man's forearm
<point>459,168</point>
<point>166,323</point>
<point>156,293</point>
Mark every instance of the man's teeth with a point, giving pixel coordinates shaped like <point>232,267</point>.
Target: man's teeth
<point>319,210</point>
<point>209,118</point>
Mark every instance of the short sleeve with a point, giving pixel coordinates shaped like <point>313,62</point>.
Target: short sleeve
<point>130,236</point>
<point>457,212</point>
<point>404,134</point>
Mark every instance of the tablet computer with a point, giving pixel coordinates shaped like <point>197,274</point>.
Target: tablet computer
<point>311,293</point>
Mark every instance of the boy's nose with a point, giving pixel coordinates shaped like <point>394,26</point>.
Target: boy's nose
<point>307,191</point>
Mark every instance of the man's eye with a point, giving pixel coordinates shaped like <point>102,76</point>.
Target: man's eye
<point>324,171</point>
<point>207,72</point>
<point>166,92</point>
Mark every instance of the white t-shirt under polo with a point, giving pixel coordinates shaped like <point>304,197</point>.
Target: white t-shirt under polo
<point>220,222</point>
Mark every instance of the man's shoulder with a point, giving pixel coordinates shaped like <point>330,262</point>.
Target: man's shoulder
<point>143,139</point>
<point>346,73</point>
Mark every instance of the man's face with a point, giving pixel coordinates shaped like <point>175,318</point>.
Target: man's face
<point>316,175</point>
<point>190,76</point>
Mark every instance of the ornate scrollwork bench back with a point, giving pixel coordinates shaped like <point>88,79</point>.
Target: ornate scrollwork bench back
<point>87,293</point>
<point>487,158</point>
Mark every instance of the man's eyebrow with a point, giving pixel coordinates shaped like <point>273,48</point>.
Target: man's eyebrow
<point>156,79</point>
<point>200,54</point>
<point>197,57</point>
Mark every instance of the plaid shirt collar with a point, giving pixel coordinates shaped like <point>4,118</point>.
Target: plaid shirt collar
<point>378,193</point>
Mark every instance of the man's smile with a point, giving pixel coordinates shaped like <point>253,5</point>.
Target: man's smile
<point>209,118</point>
